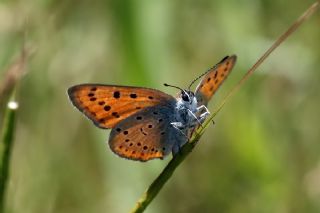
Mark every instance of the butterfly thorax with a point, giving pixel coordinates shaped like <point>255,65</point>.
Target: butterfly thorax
<point>186,109</point>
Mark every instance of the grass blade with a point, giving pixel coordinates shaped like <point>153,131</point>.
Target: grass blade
<point>6,149</point>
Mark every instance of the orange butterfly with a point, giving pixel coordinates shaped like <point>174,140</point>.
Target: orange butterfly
<point>147,123</point>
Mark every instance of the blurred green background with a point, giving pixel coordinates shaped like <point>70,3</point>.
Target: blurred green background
<point>263,153</point>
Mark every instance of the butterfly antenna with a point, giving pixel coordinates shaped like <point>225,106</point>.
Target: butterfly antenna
<point>197,79</point>
<point>206,73</point>
<point>168,85</point>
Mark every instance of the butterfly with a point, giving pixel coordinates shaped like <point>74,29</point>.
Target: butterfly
<point>147,123</point>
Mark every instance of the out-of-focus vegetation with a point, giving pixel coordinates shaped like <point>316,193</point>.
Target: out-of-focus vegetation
<point>263,153</point>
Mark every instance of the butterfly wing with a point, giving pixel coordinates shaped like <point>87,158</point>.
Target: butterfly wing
<point>213,79</point>
<point>145,135</point>
<point>106,105</point>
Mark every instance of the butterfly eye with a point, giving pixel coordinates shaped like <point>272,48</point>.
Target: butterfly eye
<point>185,97</point>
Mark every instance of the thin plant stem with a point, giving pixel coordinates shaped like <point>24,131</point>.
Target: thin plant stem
<point>167,172</point>
<point>165,175</point>
<point>7,89</point>
<point>6,149</point>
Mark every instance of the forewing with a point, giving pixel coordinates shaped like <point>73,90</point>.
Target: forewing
<point>213,79</point>
<point>143,136</point>
<point>106,105</point>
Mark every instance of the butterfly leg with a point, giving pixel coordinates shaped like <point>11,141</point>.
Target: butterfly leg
<point>195,117</point>
<point>180,127</point>
<point>202,116</point>
<point>203,107</point>
<point>205,114</point>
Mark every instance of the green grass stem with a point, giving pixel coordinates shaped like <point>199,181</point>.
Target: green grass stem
<point>6,149</point>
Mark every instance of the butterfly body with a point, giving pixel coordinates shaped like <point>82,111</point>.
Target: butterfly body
<point>185,107</point>
<point>147,123</point>
<point>186,117</point>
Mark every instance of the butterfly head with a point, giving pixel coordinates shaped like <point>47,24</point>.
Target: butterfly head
<point>187,96</point>
<point>187,99</point>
